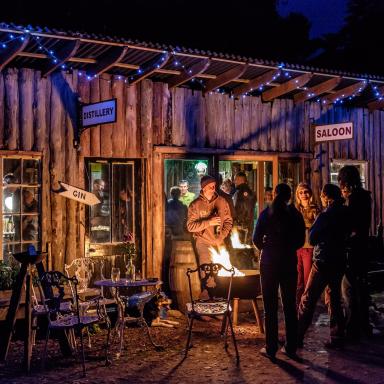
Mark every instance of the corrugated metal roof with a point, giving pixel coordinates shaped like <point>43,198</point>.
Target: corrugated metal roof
<point>94,46</point>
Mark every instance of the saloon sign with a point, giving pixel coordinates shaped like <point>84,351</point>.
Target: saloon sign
<point>333,132</point>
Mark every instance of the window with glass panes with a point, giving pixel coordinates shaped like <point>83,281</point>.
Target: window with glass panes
<point>21,193</point>
<point>113,183</point>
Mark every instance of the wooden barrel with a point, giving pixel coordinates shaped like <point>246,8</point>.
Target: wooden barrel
<point>182,258</point>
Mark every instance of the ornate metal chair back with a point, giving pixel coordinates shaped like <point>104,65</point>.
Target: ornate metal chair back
<point>209,274</point>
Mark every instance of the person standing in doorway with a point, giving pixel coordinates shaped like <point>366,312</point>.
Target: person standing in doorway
<point>186,196</point>
<point>244,201</point>
<point>279,233</point>
<point>355,285</point>
<point>209,219</point>
<point>309,210</point>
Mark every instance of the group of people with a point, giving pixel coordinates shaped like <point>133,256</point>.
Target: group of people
<point>305,250</point>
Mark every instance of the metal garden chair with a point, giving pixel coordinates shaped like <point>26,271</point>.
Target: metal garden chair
<point>74,320</point>
<point>214,306</point>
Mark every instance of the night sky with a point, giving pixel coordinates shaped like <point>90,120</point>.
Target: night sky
<point>326,16</point>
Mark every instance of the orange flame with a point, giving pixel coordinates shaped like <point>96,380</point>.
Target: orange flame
<point>235,240</point>
<point>222,257</point>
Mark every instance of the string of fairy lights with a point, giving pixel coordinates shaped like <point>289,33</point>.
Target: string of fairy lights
<point>171,59</point>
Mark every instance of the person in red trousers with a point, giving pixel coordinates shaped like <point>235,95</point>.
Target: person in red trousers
<point>309,210</point>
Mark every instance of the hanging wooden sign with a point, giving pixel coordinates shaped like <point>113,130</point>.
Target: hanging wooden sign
<point>103,112</point>
<point>78,194</point>
<point>331,132</point>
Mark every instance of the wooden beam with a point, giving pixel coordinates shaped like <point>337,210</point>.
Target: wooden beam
<point>62,55</point>
<point>256,82</point>
<point>189,73</point>
<point>107,61</point>
<point>286,87</point>
<point>345,92</point>
<point>149,68</point>
<point>225,78</point>
<point>317,90</point>
<point>12,50</point>
<point>379,102</point>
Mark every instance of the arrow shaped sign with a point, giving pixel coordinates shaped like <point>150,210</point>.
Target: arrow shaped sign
<point>77,194</point>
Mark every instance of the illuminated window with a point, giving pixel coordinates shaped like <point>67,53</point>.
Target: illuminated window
<point>20,204</point>
<point>114,185</point>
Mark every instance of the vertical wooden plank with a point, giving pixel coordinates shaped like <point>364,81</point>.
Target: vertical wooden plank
<point>246,123</point>
<point>290,126</point>
<point>105,129</point>
<point>11,131</point>
<point>26,91</point>
<point>158,118</point>
<point>352,145</point>
<point>41,102</point>
<point>118,137</point>
<point>281,126</point>
<point>360,133</point>
<point>238,122</point>
<point>2,110</point>
<point>178,121</point>
<point>158,212</point>
<point>71,167</point>
<point>132,148</point>
<point>200,120</point>
<point>146,134</point>
<point>190,118</point>
<point>256,123</point>
<point>84,97</point>
<point>381,166</point>
<point>57,171</point>
<point>377,170</point>
<point>209,122</point>
<point>94,132</point>
<point>265,126</point>
<point>83,89</point>
<point>371,159</point>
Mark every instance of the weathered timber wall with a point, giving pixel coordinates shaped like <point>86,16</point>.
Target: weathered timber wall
<point>39,114</point>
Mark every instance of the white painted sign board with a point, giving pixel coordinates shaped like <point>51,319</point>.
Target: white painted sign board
<point>98,113</point>
<point>78,194</point>
<point>331,132</point>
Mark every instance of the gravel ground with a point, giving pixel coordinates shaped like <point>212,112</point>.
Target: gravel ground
<point>207,361</point>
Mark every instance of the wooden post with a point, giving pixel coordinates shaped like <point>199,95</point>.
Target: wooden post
<point>94,132</point>
<point>11,108</point>
<point>1,111</point>
<point>146,151</point>
<point>57,171</point>
<point>118,136</point>
<point>258,316</point>
<point>105,129</point>
<point>26,84</point>
<point>235,310</point>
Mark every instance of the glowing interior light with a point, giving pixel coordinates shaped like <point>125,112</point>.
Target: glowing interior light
<point>8,201</point>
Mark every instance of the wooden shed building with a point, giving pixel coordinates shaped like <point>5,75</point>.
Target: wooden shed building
<point>180,113</point>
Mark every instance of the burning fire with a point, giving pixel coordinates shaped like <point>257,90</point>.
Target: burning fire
<point>222,257</point>
<point>235,239</point>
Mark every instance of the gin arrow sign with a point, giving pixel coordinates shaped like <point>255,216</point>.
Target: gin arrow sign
<point>77,194</point>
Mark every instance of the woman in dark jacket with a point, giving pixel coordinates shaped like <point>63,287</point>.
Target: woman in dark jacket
<point>328,235</point>
<point>279,232</point>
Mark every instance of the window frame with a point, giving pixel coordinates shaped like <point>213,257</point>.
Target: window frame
<point>22,156</point>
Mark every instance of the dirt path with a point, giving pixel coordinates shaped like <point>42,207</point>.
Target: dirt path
<point>207,361</point>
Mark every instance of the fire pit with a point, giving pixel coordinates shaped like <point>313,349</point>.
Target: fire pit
<point>245,287</point>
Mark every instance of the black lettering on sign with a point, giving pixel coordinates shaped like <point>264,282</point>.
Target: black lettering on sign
<point>79,194</point>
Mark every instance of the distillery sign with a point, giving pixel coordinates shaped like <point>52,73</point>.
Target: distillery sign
<point>331,132</point>
<point>103,112</point>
